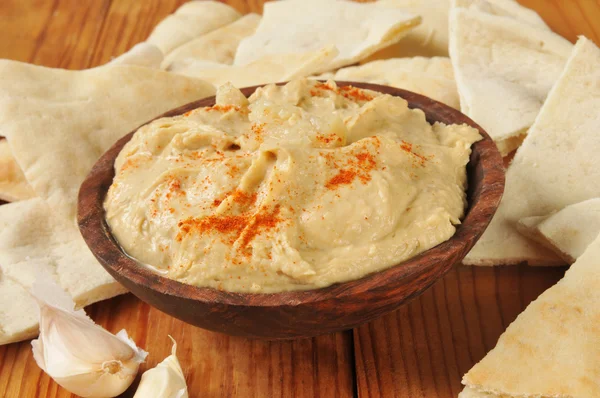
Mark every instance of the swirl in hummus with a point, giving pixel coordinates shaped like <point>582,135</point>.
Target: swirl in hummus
<point>297,187</point>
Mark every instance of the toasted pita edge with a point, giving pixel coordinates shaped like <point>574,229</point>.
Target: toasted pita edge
<point>529,227</point>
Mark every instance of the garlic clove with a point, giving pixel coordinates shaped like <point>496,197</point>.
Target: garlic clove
<point>79,355</point>
<point>166,380</point>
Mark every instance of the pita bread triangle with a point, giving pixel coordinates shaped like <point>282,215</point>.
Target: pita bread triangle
<point>504,69</point>
<point>556,166</point>
<point>432,77</point>
<point>552,349</point>
<point>567,232</point>
<point>429,39</point>
<point>218,46</point>
<point>268,69</point>
<point>58,123</point>
<point>504,8</point>
<point>13,185</point>
<point>192,19</point>
<point>18,312</point>
<point>300,26</point>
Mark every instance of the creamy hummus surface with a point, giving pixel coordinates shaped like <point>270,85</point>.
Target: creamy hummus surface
<point>297,187</point>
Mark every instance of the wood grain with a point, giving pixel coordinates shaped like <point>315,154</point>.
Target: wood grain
<point>421,350</point>
<point>569,18</point>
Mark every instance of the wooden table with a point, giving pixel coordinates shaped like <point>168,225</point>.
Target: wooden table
<point>421,350</point>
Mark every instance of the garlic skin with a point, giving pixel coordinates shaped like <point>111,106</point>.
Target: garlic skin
<point>79,355</point>
<point>166,380</point>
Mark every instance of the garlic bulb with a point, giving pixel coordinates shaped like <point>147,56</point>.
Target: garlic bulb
<point>79,355</point>
<point>166,380</point>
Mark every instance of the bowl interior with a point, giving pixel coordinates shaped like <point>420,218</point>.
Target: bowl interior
<point>485,186</point>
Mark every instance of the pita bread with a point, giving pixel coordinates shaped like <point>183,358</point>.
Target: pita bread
<point>189,21</point>
<point>34,239</point>
<point>556,166</point>
<point>504,8</point>
<point>218,46</point>
<point>142,54</point>
<point>269,69</point>
<point>504,69</point>
<point>324,76</point>
<point>432,77</point>
<point>552,349</point>
<point>567,232</point>
<point>300,26</point>
<point>13,185</point>
<point>58,123</point>
<point>18,312</point>
<point>429,39</point>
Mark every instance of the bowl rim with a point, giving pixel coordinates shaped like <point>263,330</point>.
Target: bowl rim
<point>478,214</point>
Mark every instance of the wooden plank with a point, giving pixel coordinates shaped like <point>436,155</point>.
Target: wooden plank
<point>22,23</point>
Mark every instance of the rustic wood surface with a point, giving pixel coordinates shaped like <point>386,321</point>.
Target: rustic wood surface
<point>421,350</point>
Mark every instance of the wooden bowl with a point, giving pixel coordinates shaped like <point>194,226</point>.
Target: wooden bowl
<point>300,313</point>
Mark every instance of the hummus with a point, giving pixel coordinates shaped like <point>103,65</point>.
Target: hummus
<point>297,187</point>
